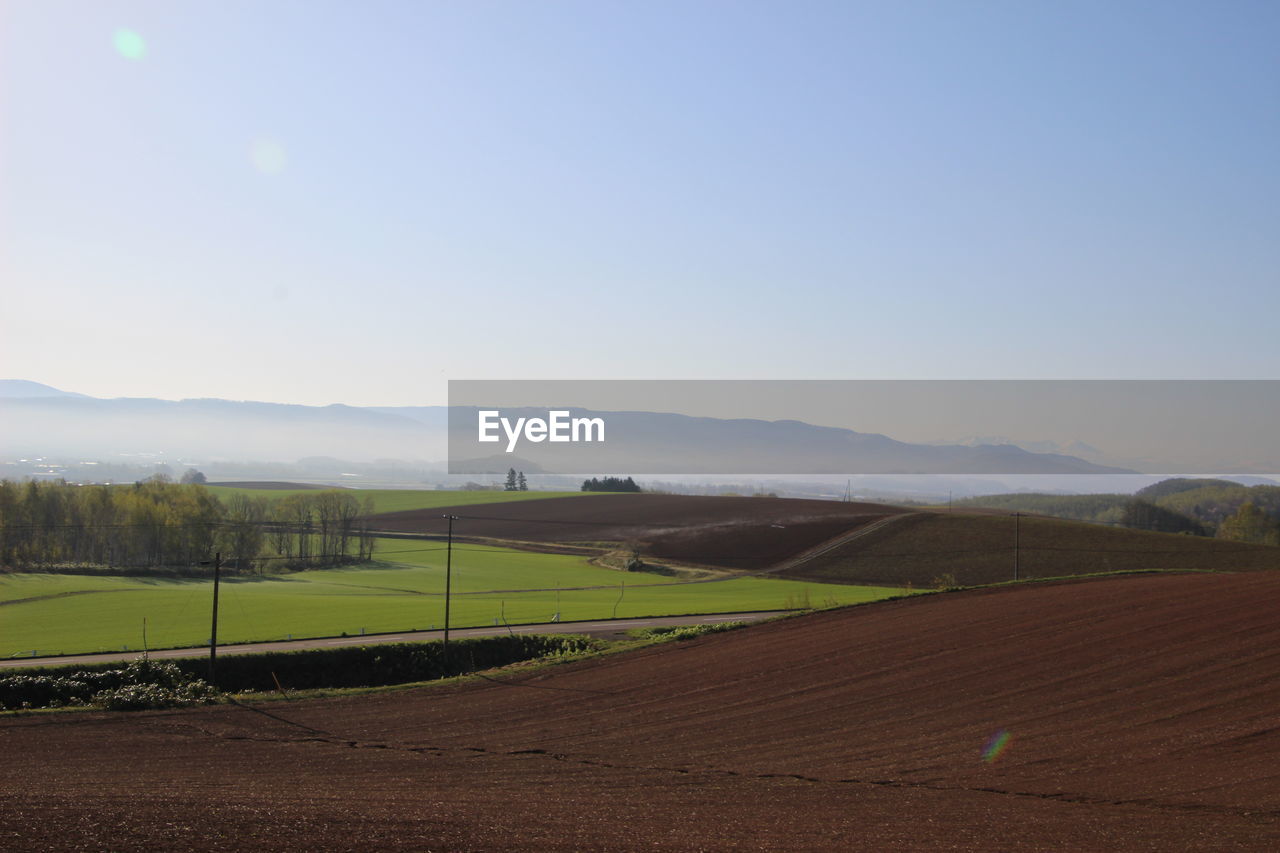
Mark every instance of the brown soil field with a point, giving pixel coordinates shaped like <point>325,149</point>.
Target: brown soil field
<point>979,548</point>
<point>1140,714</point>
<point>727,532</point>
<point>917,547</point>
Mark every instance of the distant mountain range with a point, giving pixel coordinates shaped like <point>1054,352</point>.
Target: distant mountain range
<point>1070,448</point>
<point>663,443</point>
<point>41,420</point>
<point>25,388</point>
<point>49,422</point>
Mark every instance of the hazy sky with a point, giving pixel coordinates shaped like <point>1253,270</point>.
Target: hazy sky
<point>351,202</point>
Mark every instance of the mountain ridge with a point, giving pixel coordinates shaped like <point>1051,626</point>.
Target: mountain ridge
<point>57,422</point>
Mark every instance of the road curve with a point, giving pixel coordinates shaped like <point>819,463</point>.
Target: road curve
<point>598,627</point>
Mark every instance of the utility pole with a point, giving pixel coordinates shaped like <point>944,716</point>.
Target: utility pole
<point>1017,516</point>
<point>213,632</point>
<point>448,583</point>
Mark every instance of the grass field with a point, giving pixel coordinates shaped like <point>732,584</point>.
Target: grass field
<point>51,614</point>
<point>399,500</point>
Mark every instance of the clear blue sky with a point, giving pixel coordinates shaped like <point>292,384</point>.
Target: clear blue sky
<point>351,202</point>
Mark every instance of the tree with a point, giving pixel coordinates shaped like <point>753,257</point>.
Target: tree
<point>367,539</point>
<point>242,533</point>
<point>511,480</point>
<point>1147,516</point>
<point>522,485</point>
<point>610,484</point>
<point>191,475</point>
<point>1249,524</point>
<point>296,512</point>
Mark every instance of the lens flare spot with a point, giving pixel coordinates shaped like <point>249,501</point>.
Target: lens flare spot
<point>268,156</point>
<point>130,44</point>
<point>995,745</point>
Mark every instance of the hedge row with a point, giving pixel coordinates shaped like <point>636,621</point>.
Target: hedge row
<point>689,632</point>
<point>137,685</point>
<point>374,666</point>
<point>347,666</point>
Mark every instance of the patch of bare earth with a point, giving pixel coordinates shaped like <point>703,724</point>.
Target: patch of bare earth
<point>727,532</point>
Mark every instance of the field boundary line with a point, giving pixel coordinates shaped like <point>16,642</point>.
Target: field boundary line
<point>839,541</point>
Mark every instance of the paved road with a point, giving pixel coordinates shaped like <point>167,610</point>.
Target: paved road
<point>603,627</point>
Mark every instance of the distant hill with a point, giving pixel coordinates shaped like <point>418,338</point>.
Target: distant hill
<point>1249,480</point>
<point>666,443</point>
<point>1099,507</point>
<point>26,388</point>
<point>1218,499</point>
<point>52,423</point>
<point>1205,500</point>
<point>203,429</point>
<point>436,417</point>
<point>1176,485</point>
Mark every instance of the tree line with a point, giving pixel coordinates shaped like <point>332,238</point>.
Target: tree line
<point>157,524</point>
<point>1201,507</point>
<point>609,484</point>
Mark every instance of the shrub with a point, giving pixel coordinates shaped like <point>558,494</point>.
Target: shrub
<point>140,684</point>
<point>167,684</point>
<point>688,632</point>
<point>378,665</point>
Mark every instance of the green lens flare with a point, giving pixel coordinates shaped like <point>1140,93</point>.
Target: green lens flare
<point>995,746</point>
<point>129,44</point>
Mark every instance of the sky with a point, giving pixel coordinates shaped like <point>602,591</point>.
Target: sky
<point>319,202</point>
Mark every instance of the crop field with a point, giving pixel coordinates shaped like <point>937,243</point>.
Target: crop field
<point>978,548</point>
<point>838,542</point>
<point>59,613</point>
<point>402,500</point>
<point>1133,713</point>
<point>746,533</point>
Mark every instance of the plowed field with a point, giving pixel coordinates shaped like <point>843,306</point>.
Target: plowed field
<point>731,532</point>
<point>979,549</point>
<point>1137,713</point>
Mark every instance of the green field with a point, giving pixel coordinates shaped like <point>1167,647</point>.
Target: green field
<point>397,500</point>
<point>52,613</point>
